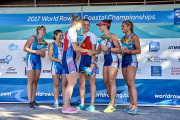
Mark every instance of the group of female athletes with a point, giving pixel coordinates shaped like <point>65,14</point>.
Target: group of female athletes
<point>64,56</point>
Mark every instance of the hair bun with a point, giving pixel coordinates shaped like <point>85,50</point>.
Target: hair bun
<point>72,16</point>
<point>110,20</point>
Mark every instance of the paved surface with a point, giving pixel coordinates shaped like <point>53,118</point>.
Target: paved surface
<point>46,112</point>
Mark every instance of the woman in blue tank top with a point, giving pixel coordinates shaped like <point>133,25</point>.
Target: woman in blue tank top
<point>111,63</point>
<point>33,64</point>
<point>130,64</point>
<point>57,69</point>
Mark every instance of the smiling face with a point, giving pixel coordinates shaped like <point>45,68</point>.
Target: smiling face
<point>59,36</point>
<point>86,26</point>
<point>103,28</point>
<point>125,28</point>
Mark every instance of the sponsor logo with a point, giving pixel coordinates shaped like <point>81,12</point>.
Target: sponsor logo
<point>5,94</point>
<point>46,71</point>
<point>155,59</point>
<point>156,71</point>
<point>11,70</point>
<point>154,46</point>
<point>174,47</point>
<point>168,96</point>
<point>6,60</point>
<point>175,71</point>
<point>149,59</point>
<point>24,59</point>
<point>177,16</point>
<point>13,47</point>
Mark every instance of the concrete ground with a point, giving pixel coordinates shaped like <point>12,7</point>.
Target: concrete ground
<point>46,112</point>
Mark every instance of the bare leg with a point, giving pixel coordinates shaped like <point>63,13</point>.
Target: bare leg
<point>36,78</point>
<point>112,71</point>
<point>92,88</point>
<point>124,71</point>
<point>131,74</point>
<point>56,79</point>
<point>64,85</point>
<point>82,89</point>
<point>30,76</point>
<point>72,80</point>
<point>106,80</point>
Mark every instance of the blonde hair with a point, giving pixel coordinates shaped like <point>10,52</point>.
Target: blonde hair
<point>75,18</point>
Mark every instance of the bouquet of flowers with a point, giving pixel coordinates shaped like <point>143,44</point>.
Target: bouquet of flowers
<point>81,38</point>
<point>42,46</point>
<point>103,41</point>
<point>86,71</point>
<point>126,44</point>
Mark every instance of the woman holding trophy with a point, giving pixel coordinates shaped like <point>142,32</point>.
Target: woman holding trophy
<point>34,47</point>
<point>131,47</point>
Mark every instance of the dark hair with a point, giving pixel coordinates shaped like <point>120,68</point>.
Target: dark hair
<point>55,33</point>
<point>108,21</point>
<point>38,28</point>
<point>129,23</point>
<point>75,18</point>
<point>87,20</point>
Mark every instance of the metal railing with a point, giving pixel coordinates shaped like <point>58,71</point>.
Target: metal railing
<point>89,3</point>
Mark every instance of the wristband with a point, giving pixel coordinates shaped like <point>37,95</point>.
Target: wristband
<point>129,52</point>
<point>109,49</point>
<point>93,63</point>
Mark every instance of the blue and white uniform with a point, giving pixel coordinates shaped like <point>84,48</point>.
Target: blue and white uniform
<point>110,58</point>
<point>57,68</point>
<point>85,58</point>
<point>33,61</point>
<point>68,53</point>
<point>129,59</point>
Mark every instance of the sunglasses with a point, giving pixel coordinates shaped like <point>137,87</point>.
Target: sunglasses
<point>40,27</point>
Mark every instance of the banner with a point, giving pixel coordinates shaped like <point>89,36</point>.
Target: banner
<point>157,77</point>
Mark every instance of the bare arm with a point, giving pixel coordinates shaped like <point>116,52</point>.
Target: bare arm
<point>77,56</point>
<point>93,56</point>
<point>50,53</point>
<point>115,41</point>
<point>98,51</point>
<point>28,44</point>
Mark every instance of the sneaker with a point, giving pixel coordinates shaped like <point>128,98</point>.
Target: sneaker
<point>90,108</point>
<point>109,109</point>
<point>114,104</point>
<point>31,106</point>
<point>74,108</point>
<point>127,109</point>
<point>80,107</point>
<point>69,110</point>
<point>134,111</point>
<point>35,103</point>
<point>56,105</point>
